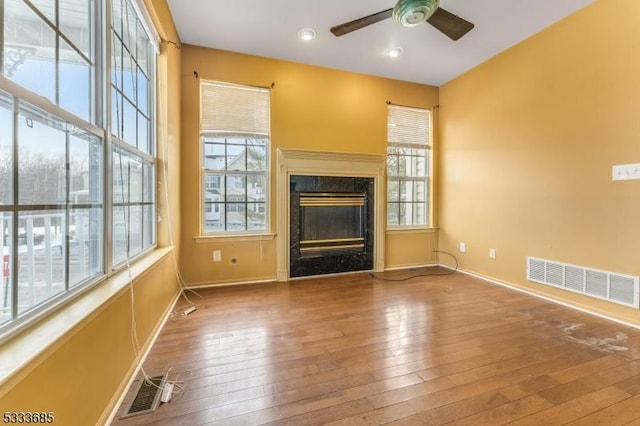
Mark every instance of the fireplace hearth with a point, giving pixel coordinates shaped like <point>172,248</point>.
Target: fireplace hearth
<point>331,224</point>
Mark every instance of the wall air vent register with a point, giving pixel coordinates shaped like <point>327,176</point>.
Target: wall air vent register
<point>610,286</point>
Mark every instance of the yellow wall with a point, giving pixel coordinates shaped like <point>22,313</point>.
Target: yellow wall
<point>527,143</point>
<point>81,376</point>
<point>312,108</point>
<point>405,249</point>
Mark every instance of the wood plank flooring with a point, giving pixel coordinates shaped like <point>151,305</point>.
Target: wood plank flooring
<point>354,350</point>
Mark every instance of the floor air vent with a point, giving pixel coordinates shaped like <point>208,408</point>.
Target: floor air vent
<point>147,398</point>
<point>617,288</point>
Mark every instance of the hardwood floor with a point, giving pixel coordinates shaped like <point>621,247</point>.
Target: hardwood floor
<point>353,350</point>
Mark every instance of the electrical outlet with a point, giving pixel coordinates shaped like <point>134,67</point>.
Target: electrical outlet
<point>492,253</point>
<point>217,256</point>
<point>463,248</point>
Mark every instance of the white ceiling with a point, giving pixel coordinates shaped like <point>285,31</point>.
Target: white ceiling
<point>269,28</point>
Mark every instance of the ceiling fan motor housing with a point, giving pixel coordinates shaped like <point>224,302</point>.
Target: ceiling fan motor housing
<point>409,13</point>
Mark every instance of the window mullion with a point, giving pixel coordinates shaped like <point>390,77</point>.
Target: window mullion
<point>57,52</point>
<point>15,261</point>
<point>67,212</point>
<point>105,86</point>
<point>225,199</point>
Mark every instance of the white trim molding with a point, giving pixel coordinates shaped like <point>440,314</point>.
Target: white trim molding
<point>323,163</point>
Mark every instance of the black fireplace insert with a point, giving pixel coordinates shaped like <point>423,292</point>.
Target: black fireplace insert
<point>331,224</point>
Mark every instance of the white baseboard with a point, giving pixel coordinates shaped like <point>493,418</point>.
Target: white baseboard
<point>201,285</point>
<point>405,267</point>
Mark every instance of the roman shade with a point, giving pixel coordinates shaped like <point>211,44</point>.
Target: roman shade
<point>407,127</point>
<point>233,110</point>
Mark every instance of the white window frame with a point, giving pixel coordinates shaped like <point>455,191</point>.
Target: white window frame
<point>52,20</point>
<point>409,142</point>
<point>97,125</point>
<point>225,118</point>
<point>123,152</point>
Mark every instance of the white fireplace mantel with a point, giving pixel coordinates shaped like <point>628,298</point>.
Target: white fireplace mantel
<point>322,163</point>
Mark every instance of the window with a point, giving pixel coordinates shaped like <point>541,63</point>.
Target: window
<point>54,156</point>
<point>408,161</point>
<point>234,127</point>
<point>133,205</point>
<point>132,105</point>
<point>49,48</point>
<point>51,206</point>
<point>132,72</point>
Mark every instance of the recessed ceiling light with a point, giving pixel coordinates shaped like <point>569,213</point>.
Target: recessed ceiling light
<point>395,52</point>
<point>307,34</point>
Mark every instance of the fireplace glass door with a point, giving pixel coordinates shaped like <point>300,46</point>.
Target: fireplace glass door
<point>331,223</point>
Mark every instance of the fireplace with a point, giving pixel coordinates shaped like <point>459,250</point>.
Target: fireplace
<point>331,227</point>
<point>307,169</point>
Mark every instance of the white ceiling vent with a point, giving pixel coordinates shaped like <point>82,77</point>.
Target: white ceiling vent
<point>617,288</point>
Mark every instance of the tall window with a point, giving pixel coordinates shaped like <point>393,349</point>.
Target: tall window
<point>408,177</point>
<point>55,156</point>
<point>234,128</point>
<point>132,106</point>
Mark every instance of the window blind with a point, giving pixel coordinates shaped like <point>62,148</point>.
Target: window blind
<point>407,126</point>
<point>232,110</point>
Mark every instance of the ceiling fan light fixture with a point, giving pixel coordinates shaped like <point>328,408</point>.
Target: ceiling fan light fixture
<point>410,13</point>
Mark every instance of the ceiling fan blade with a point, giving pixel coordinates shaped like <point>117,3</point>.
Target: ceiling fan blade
<point>449,24</point>
<point>348,27</point>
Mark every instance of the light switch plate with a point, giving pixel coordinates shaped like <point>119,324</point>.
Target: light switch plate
<point>626,172</point>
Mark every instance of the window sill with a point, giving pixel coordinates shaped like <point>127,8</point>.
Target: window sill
<point>411,230</point>
<point>31,343</point>
<point>222,238</point>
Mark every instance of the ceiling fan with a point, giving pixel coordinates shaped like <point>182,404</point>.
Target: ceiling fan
<point>409,13</point>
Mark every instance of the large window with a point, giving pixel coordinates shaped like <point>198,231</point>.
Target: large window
<point>132,106</point>
<point>77,169</point>
<point>234,127</point>
<point>51,206</point>
<point>408,161</point>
